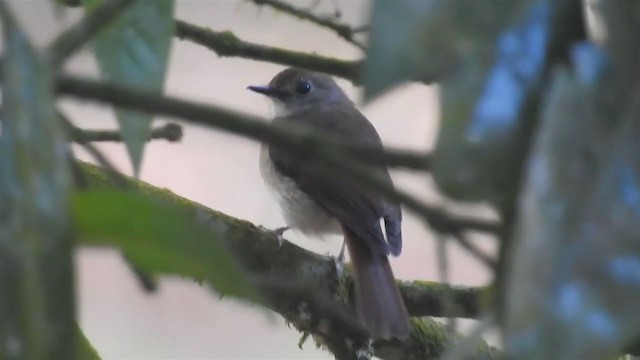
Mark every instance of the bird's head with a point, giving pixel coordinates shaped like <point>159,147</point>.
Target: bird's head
<point>295,90</point>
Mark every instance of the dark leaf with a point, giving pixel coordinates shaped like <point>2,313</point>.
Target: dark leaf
<point>134,51</point>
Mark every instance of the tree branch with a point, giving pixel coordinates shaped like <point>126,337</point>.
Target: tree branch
<point>75,37</point>
<point>312,146</point>
<point>70,3</point>
<point>236,122</point>
<point>171,132</point>
<point>442,300</point>
<point>225,43</point>
<point>343,30</point>
<point>108,167</point>
<point>306,290</point>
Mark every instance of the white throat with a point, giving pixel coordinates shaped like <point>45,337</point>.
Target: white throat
<point>279,110</point>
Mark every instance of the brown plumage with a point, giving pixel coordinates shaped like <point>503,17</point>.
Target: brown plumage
<point>317,201</point>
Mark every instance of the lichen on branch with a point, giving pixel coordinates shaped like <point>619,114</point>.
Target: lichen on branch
<point>226,43</point>
<point>305,289</point>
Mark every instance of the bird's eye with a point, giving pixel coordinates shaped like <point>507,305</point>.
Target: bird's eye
<point>303,88</point>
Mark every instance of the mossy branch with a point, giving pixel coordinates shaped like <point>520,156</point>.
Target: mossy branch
<point>225,43</point>
<point>306,290</point>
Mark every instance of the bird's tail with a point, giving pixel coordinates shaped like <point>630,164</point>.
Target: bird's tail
<point>378,303</point>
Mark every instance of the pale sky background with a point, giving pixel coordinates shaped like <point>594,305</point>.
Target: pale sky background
<point>184,320</point>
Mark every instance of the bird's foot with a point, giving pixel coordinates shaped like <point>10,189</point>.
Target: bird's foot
<point>339,261</point>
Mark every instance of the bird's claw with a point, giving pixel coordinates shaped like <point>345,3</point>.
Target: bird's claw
<point>278,234</point>
<point>339,264</point>
<point>339,261</point>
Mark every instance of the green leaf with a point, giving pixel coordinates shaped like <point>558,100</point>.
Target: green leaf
<point>86,351</point>
<point>427,38</point>
<point>134,51</point>
<point>160,238</point>
<point>36,279</point>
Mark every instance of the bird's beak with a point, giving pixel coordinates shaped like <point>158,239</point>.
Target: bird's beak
<point>265,90</point>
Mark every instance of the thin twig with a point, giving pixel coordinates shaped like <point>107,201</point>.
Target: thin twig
<point>147,282</point>
<point>311,145</point>
<point>359,29</point>
<point>71,3</point>
<point>343,30</point>
<point>67,43</point>
<point>225,43</point>
<point>477,253</point>
<point>171,132</point>
<point>97,155</point>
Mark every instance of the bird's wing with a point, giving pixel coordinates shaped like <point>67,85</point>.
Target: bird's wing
<point>355,208</point>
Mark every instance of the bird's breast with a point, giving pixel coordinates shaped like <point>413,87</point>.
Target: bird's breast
<point>299,210</point>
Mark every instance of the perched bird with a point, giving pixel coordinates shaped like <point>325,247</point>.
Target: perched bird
<point>318,202</point>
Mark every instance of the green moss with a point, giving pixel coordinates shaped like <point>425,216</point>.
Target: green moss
<point>95,175</point>
<point>429,337</point>
<point>228,38</point>
<point>260,253</point>
<point>98,177</point>
<point>424,283</point>
<point>416,289</point>
<point>344,285</point>
<point>433,339</point>
<point>227,42</point>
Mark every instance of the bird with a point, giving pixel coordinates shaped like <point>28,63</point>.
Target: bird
<point>317,201</point>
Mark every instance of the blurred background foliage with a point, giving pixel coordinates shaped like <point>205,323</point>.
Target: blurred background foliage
<point>539,119</point>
